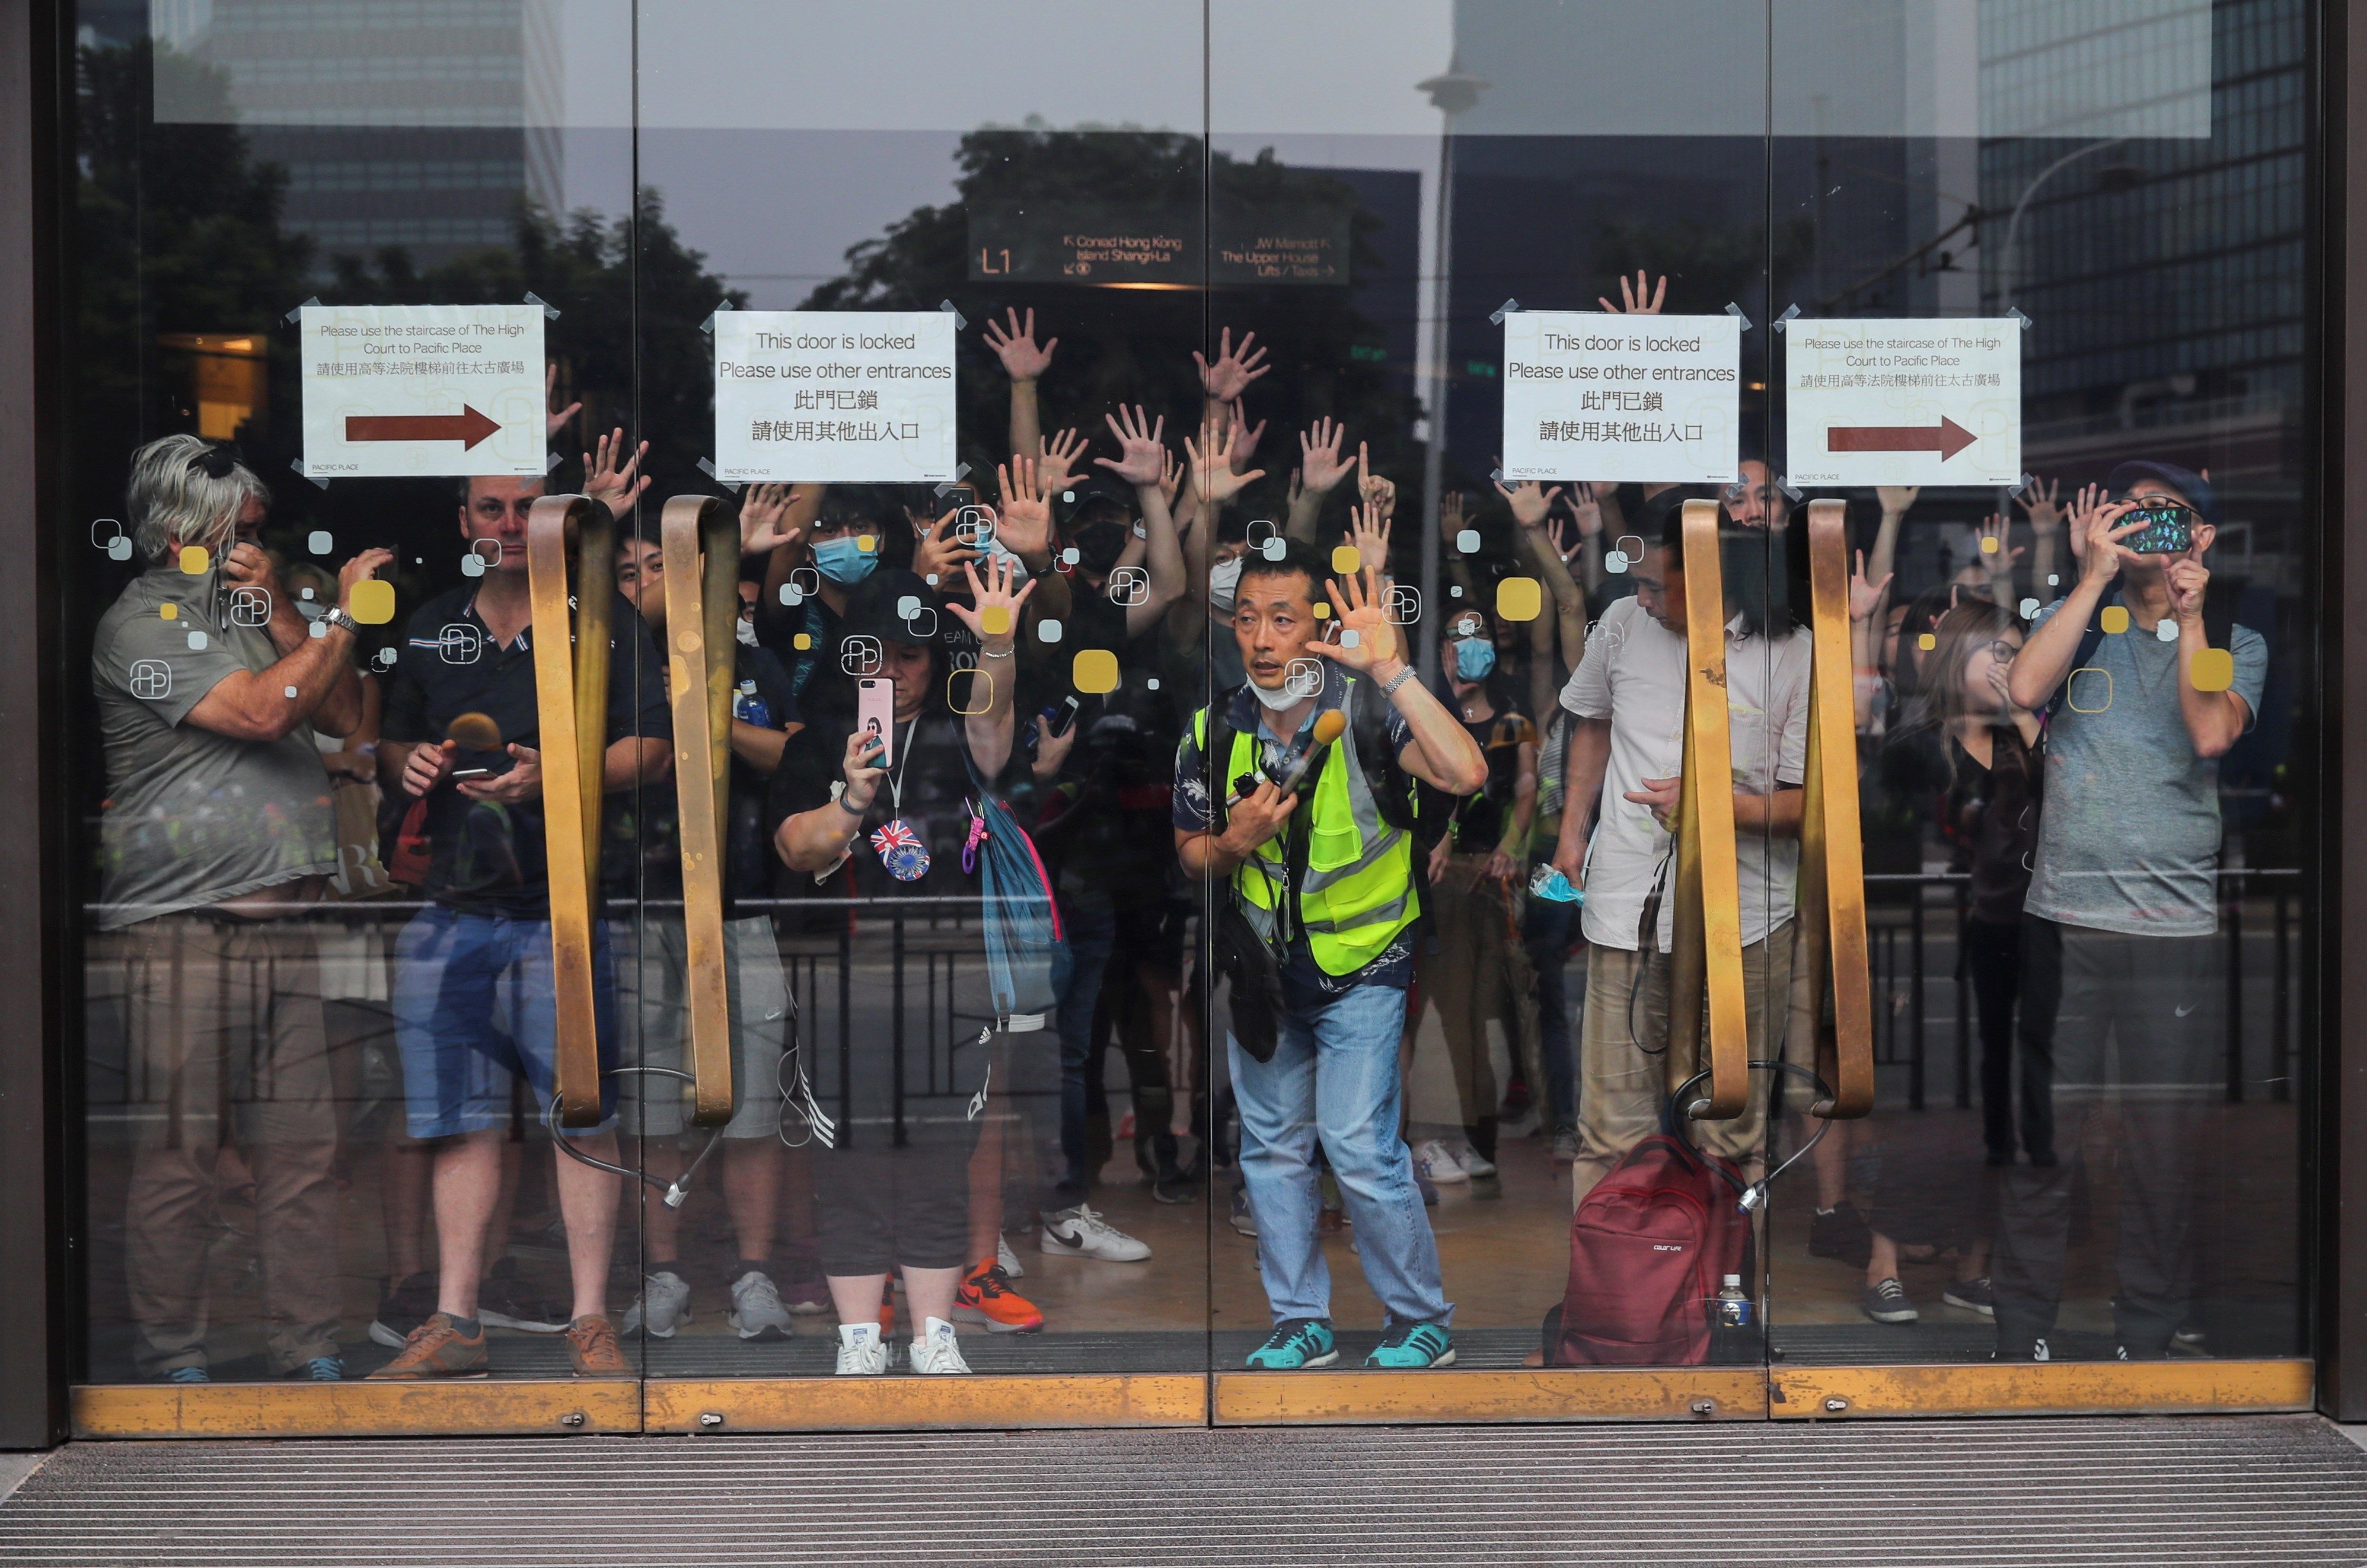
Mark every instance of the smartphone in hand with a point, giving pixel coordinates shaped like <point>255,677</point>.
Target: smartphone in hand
<point>874,714</point>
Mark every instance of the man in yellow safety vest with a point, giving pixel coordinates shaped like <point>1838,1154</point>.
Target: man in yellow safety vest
<point>1308,819</point>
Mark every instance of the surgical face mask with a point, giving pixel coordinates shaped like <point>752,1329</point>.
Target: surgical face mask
<point>1224,581</point>
<point>1474,658</point>
<point>745,630</point>
<point>1281,697</point>
<point>844,561</point>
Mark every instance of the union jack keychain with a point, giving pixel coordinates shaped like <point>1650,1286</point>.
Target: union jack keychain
<point>975,837</point>
<point>900,851</point>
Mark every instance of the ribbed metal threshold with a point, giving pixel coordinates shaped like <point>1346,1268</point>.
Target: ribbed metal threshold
<point>2200,1490</point>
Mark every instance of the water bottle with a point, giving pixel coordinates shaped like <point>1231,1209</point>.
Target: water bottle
<point>1734,1329</point>
<point>748,708</point>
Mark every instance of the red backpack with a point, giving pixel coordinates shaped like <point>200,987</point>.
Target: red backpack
<point>1649,1248</point>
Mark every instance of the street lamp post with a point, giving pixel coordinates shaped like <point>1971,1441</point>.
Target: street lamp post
<point>1452,95</point>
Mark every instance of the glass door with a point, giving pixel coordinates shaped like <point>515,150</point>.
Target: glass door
<point>2082,630</point>
<point>1515,301</point>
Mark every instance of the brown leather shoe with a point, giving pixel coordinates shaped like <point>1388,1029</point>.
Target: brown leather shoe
<point>592,1341</point>
<point>437,1349</point>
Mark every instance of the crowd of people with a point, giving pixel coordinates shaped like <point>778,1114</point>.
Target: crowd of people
<point>1272,838</point>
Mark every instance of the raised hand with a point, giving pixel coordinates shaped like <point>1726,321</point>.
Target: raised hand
<point>1531,502</point>
<point>1022,360</point>
<point>2081,515</point>
<point>1360,610</point>
<point>1213,476</point>
<point>1245,438</point>
<point>993,610</point>
<point>1319,456</point>
<point>1059,459</point>
<point>1632,301</point>
<point>1376,489</point>
<point>2040,505</point>
<point>1142,450</point>
<point>2186,579</point>
<point>938,551</point>
<point>764,520</point>
<point>1896,498</point>
<point>1585,506</point>
<point>1865,597</point>
<point>2101,557</point>
<point>1368,536</point>
<point>1233,369</point>
<point>1025,527</point>
<point>605,479</point>
<point>556,418</point>
<point>1171,472</point>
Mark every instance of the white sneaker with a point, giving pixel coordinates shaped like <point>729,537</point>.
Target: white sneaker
<point>1081,1233</point>
<point>1008,1259</point>
<point>1436,1161</point>
<point>1472,1161</point>
<point>757,1311</point>
<point>662,1303</point>
<point>937,1351</point>
<point>861,1352</point>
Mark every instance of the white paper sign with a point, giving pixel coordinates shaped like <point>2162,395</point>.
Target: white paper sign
<point>401,390</point>
<point>834,396</point>
<point>1884,401</point>
<point>1591,396</point>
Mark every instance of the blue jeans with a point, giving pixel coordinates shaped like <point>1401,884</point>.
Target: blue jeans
<point>1334,1076</point>
<point>1091,934</point>
<point>1545,931</point>
<point>474,1011</point>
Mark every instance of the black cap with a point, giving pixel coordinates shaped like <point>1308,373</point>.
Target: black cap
<point>2130,477</point>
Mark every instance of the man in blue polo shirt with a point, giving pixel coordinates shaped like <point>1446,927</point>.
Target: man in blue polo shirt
<point>478,957</point>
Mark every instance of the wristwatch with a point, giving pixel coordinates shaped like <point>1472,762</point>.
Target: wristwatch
<point>337,616</point>
<point>1389,687</point>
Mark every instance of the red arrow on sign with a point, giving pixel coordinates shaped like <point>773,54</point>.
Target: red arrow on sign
<point>468,427</point>
<point>1947,438</point>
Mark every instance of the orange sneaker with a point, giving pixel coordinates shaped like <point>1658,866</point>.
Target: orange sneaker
<point>592,1345</point>
<point>987,1297</point>
<point>437,1349</point>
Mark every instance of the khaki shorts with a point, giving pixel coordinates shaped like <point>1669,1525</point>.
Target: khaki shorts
<point>1624,1076</point>
<point>653,1007</point>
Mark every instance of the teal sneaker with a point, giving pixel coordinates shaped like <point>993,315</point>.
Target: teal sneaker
<point>1296,1343</point>
<point>1412,1346</point>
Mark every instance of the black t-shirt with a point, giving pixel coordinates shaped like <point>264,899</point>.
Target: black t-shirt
<point>484,857</point>
<point>652,830</point>
<point>811,671</point>
<point>1479,819</point>
<point>1991,822</point>
<point>929,791</point>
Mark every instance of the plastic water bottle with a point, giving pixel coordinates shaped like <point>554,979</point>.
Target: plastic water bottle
<point>748,708</point>
<point>1734,1307</point>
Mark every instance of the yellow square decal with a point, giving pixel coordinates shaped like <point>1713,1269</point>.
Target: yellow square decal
<point>1927,642</point>
<point>867,543</point>
<point>995,620</point>
<point>1988,543</point>
<point>801,642</point>
<point>1519,599</point>
<point>1095,671</point>
<point>373,604</point>
<point>1344,559</point>
<point>2214,669</point>
<point>2115,619</point>
<point>168,611</point>
<point>194,560</point>
<point>1322,610</point>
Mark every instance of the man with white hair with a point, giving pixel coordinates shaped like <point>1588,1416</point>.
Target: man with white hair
<point>217,830</point>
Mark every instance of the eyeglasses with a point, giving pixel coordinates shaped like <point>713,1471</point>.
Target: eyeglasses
<point>218,461</point>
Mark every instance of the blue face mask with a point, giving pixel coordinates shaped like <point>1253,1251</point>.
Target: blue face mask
<point>844,561</point>
<point>1474,658</point>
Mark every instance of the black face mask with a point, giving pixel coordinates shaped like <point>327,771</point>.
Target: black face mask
<point>1099,545</point>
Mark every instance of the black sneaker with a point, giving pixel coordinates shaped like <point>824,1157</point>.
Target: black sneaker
<point>507,1303</point>
<point>401,1310</point>
<point>1173,1187</point>
<point>1842,1234</point>
<point>1973,1295</point>
<point>1886,1302</point>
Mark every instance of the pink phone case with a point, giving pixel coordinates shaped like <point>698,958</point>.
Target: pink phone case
<point>874,710</point>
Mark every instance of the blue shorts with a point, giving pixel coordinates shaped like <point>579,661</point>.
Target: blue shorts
<point>473,1013</point>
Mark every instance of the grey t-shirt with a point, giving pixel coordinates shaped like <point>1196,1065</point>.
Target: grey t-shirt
<point>2129,837</point>
<point>193,817</point>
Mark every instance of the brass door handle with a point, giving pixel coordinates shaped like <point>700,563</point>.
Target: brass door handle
<point>1832,844</point>
<point>571,684</point>
<point>1705,967</point>
<point>701,546</point>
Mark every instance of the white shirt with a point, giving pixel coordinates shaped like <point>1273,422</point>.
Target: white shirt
<point>1633,674</point>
